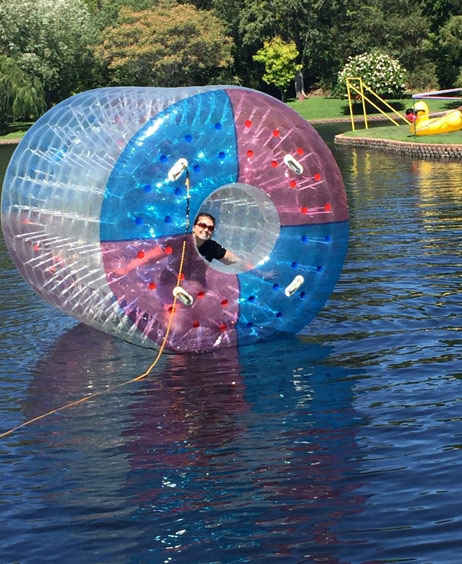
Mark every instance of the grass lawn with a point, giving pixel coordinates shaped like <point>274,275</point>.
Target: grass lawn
<point>402,133</point>
<point>321,108</point>
<point>334,108</point>
<point>330,108</point>
<point>15,131</point>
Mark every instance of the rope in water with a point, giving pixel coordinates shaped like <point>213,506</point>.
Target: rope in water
<point>146,373</point>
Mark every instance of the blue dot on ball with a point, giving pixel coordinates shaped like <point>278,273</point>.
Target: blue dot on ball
<point>196,168</point>
<point>188,138</point>
<point>304,238</point>
<point>221,155</point>
<point>218,126</point>
<point>279,314</point>
<point>147,188</point>
<point>163,158</point>
<point>177,191</point>
<point>139,221</point>
<point>168,219</point>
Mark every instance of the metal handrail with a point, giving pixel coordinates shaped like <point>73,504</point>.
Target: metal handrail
<point>364,98</point>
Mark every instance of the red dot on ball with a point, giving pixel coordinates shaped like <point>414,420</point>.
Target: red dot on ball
<point>222,327</point>
<point>248,123</point>
<point>168,250</point>
<point>274,164</point>
<point>196,323</point>
<point>250,153</point>
<point>224,302</point>
<point>293,184</point>
<point>182,276</point>
<point>317,176</point>
<point>304,209</point>
<point>140,254</point>
<point>328,207</point>
<point>275,132</point>
<point>200,295</point>
<point>152,285</point>
<point>300,151</point>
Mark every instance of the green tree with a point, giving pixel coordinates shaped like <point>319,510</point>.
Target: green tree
<point>450,42</point>
<point>399,28</point>
<point>328,33</point>
<point>106,12</point>
<point>49,40</point>
<point>169,45</point>
<point>439,11</point>
<point>278,57</point>
<point>21,96</point>
<point>312,26</point>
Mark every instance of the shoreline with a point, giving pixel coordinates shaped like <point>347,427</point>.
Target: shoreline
<point>424,150</point>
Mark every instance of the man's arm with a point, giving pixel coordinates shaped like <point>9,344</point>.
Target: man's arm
<point>230,258</point>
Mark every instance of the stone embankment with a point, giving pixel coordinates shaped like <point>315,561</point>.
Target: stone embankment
<point>421,150</point>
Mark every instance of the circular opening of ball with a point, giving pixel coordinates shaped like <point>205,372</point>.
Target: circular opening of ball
<point>247,224</point>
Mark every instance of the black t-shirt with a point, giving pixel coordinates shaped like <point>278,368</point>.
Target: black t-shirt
<point>212,250</point>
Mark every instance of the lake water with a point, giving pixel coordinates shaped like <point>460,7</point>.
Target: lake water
<point>341,448</point>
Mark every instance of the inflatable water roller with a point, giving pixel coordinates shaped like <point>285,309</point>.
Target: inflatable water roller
<point>97,188</point>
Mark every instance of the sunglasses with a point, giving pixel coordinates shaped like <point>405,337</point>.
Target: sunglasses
<point>202,225</point>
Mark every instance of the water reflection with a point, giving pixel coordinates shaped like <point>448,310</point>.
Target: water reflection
<point>253,452</point>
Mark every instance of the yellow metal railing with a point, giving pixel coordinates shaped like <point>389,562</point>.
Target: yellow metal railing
<point>359,90</point>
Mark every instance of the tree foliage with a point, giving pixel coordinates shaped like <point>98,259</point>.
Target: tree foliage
<point>48,39</point>
<point>48,47</point>
<point>21,95</point>
<point>396,27</point>
<point>439,12</point>
<point>312,26</point>
<point>106,12</point>
<point>169,45</point>
<point>278,57</point>
<point>450,41</point>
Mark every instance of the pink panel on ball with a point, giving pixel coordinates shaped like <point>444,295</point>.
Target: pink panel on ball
<point>267,130</point>
<point>142,275</point>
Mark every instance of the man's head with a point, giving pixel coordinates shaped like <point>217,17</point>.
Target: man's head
<point>204,226</point>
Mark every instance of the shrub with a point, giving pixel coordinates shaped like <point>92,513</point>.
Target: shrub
<point>381,73</point>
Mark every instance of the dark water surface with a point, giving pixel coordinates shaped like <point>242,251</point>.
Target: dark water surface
<point>344,448</point>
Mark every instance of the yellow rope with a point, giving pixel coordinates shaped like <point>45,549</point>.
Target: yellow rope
<point>137,378</point>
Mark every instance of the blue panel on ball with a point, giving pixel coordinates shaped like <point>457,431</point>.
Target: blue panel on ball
<point>140,201</point>
<point>317,253</point>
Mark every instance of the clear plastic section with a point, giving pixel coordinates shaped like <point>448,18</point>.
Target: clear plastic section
<point>247,223</point>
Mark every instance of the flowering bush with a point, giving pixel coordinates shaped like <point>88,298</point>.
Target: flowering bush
<point>381,73</point>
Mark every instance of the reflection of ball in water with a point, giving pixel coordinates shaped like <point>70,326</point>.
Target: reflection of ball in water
<point>96,226</point>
